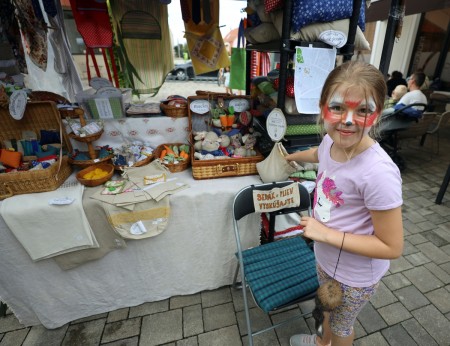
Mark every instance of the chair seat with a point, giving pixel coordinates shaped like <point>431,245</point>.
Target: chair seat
<point>280,272</point>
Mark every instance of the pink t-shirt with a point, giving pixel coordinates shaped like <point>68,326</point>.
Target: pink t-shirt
<point>344,195</point>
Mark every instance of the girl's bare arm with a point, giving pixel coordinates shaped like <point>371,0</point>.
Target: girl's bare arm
<point>309,155</point>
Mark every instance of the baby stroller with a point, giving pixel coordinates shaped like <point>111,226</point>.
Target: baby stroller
<point>395,125</point>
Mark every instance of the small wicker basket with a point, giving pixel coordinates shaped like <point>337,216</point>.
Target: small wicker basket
<point>87,163</point>
<point>173,167</point>
<point>141,163</point>
<point>95,182</point>
<point>87,139</point>
<point>177,111</point>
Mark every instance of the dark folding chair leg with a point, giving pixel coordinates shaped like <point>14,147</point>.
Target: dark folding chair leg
<point>444,186</point>
<point>3,308</point>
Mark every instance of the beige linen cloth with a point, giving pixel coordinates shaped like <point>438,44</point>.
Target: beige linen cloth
<point>46,230</point>
<point>147,205</point>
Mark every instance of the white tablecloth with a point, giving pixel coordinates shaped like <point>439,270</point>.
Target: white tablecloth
<point>153,130</point>
<point>195,253</point>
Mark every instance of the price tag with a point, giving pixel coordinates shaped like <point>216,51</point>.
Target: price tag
<point>239,105</point>
<point>276,125</point>
<point>333,38</point>
<point>199,106</point>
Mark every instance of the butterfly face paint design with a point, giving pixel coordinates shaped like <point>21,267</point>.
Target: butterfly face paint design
<point>350,111</point>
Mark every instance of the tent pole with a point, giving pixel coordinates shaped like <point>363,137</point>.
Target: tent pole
<point>395,16</point>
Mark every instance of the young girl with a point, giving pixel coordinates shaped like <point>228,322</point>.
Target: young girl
<point>226,74</point>
<point>357,222</point>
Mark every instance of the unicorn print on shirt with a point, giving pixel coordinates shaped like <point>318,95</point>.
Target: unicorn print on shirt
<point>325,196</point>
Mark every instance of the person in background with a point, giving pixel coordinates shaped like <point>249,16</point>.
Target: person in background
<point>396,79</point>
<point>357,220</point>
<point>226,74</point>
<point>397,94</point>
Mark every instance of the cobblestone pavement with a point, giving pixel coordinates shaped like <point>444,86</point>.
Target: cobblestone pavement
<point>412,306</point>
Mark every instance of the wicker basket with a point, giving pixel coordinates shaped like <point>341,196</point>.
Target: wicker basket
<point>178,111</point>
<point>88,138</point>
<point>219,168</point>
<point>95,182</point>
<point>42,115</point>
<point>141,163</point>
<point>87,163</point>
<point>173,167</point>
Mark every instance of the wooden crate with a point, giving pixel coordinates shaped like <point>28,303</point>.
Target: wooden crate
<point>200,120</point>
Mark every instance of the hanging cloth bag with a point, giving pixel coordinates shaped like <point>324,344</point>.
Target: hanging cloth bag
<point>238,60</point>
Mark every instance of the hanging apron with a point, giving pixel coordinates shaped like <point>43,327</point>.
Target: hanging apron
<point>93,24</point>
<point>142,30</point>
<point>204,39</point>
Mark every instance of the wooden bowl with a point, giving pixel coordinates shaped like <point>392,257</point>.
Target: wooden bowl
<point>95,182</point>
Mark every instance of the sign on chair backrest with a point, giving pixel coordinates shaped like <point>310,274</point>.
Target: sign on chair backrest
<point>276,198</point>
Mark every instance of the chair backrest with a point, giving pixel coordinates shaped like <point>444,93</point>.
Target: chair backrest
<point>243,201</point>
<point>420,128</point>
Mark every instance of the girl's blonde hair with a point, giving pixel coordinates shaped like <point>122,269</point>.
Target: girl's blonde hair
<point>358,74</point>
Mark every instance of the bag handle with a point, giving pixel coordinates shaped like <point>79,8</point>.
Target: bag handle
<point>241,37</point>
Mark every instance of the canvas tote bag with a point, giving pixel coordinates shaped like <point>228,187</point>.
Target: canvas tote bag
<point>238,60</point>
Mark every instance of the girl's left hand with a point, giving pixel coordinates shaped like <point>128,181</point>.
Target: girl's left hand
<point>314,229</point>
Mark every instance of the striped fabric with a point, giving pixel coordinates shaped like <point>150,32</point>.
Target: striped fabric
<point>152,58</point>
<point>140,25</point>
<point>280,272</point>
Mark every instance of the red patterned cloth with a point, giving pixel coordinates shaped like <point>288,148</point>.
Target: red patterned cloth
<point>272,5</point>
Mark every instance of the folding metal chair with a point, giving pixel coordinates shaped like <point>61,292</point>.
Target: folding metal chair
<point>280,273</point>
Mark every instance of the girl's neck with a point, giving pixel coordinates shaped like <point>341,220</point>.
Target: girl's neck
<point>343,155</point>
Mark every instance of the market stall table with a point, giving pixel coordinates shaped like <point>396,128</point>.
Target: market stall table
<point>195,253</point>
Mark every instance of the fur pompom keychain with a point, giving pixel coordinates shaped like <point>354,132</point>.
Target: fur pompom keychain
<point>328,297</point>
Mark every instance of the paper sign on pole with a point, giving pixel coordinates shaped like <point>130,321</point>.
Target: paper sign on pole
<point>312,66</point>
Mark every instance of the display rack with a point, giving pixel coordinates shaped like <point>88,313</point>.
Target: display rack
<point>286,48</point>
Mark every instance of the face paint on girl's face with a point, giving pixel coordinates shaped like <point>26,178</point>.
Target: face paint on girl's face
<point>350,111</point>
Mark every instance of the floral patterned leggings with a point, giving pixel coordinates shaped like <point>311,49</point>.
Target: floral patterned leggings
<point>354,299</point>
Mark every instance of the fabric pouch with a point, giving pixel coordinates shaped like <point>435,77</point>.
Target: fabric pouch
<point>11,158</point>
<point>49,137</point>
<point>275,167</point>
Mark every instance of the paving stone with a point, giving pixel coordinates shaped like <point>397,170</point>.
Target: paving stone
<point>411,227</point>
<point>417,259</point>
<point>192,320</point>
<point>161,328</point>
<point>445,267</point>
<point>434,253</point>
<point>443,231</point>
<point>438,272</point>
<point>14,338</point>
<point>408,248</point>
<point>433,237</point>
<point>297,326</point>
<point>394,313</point>
<point>216,297</point>
<point>396,281</point>
<point>85,333</point>
<point>307,306</point>
<point>370,319</point>
<point>435,217</point>
<point>397,336</point>
<point>192,341</point>
<point>434,323</point>
<point>121,329</point>
<point>359,330</point>
<point>375,339</point>
<point>423,279</point>
<point>258,318</point>
<point>182,301</point>
<point>382,297</point>
<point>219,316</point>
<point>41,336</point>
<point>9,323</point>
<point>225,336</point>
<point>400,264</point>
<point>411,297</point>
<point>440,298</point>
<point>149,308</point>
<point>117,315</point>
<point>426,225</point>
<point>134,341</point>
<point>418,333</point>
<point>268,338</point>
<point>446,249</point>
<point>238,299</point>
<point>417,239</point>
<point>90,318</point>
